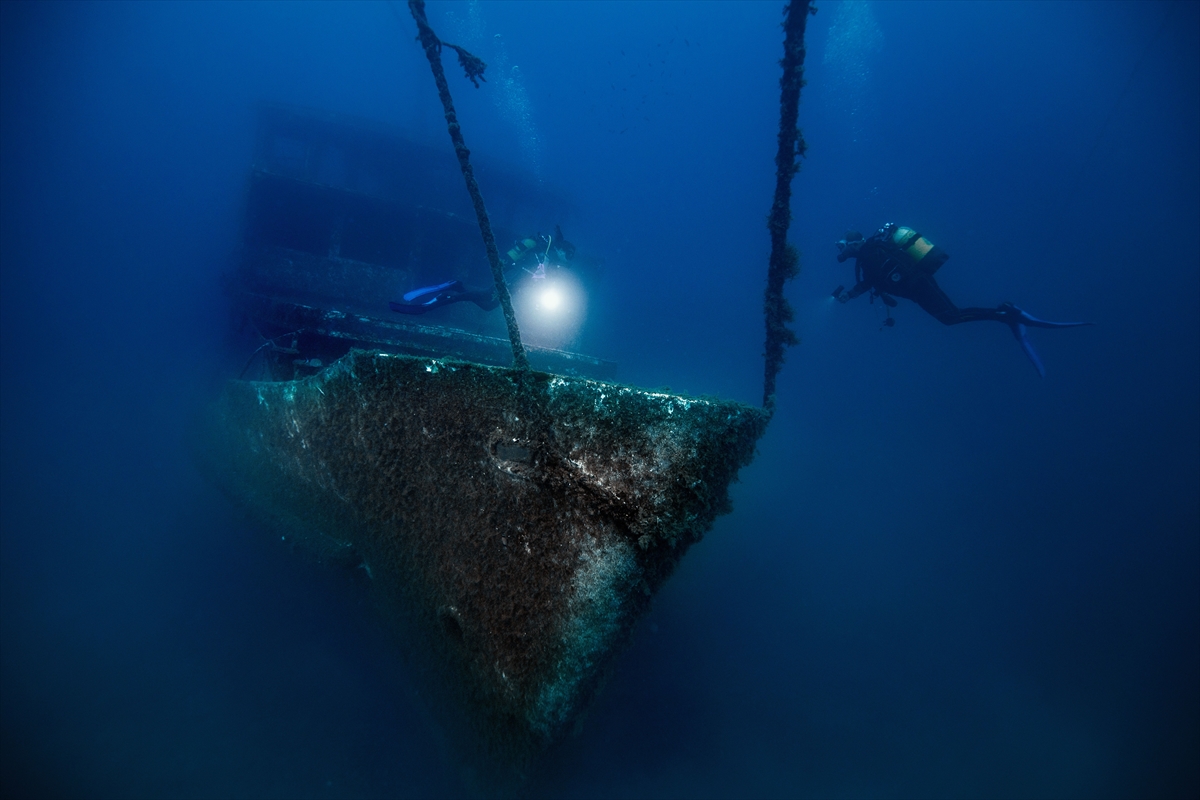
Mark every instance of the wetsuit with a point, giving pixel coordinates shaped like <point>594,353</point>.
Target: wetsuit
<point>881,267</point>
<point>884,269</point>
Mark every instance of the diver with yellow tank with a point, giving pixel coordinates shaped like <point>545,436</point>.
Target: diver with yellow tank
<point>897,261</point>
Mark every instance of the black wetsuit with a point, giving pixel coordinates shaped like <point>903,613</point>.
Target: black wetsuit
<point>882,267</point>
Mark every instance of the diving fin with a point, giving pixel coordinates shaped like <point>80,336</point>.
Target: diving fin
<point>424,290</point>
<point>1012,315</point>
<point>1034,322</point>
<point>1017,320</point>
<point>1019,332</point>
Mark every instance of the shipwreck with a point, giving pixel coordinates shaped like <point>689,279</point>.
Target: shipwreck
<point>514,508</point>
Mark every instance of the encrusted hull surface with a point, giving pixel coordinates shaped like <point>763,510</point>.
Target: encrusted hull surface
<point>514,525</point>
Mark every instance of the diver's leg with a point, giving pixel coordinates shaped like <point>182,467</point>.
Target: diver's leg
<point>408,308</point>
<point>924,291</point>
<point>484,298</point>
<point>973,314</point>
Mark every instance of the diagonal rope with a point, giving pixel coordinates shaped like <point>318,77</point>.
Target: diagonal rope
<point>474,68</point>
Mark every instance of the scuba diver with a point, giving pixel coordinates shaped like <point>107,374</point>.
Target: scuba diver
<point>531,255</point>
<point>898,261</point>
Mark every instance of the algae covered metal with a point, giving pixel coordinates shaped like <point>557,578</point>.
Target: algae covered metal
<point>514,523</point>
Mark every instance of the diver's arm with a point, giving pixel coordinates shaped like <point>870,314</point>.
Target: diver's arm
<point>860,282</point>
<point>861,285</point>
<point>859,288</point>
<point>845,297</point>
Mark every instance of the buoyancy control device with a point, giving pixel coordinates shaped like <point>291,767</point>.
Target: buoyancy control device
<point>912,252</point>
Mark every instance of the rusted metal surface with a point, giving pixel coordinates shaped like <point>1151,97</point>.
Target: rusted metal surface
<point>514,525</point>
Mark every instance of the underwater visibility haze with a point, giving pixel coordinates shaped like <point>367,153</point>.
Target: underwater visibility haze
<point>942,575</point>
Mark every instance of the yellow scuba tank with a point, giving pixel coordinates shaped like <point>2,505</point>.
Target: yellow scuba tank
<point>912,243</point>
<point>520,248</point>
<point>919,254</point>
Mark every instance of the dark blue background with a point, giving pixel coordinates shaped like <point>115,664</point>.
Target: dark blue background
<point>943,575</point>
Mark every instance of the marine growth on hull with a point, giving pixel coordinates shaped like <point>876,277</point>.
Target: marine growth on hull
<point>515,524</point>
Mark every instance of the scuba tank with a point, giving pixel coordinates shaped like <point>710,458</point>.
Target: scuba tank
<point>912,243</point>
<point>521,248</point>
<point>911,252</point>
<point>539,246</point>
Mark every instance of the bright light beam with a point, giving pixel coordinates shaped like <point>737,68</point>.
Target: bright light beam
<point>551,310</point>
<point>550,298</point>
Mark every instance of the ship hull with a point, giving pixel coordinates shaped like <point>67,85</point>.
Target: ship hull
<point>514,525</point>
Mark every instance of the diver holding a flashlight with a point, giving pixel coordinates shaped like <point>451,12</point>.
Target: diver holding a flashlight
<point>899,262</point>
<point>532,255</point>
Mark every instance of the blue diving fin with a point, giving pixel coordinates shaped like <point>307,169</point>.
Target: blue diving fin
<point>1034,322</point>
<point>424,290</point>
<point>418,301</point>
<point>1017,320</point>
<point>1019,332</point>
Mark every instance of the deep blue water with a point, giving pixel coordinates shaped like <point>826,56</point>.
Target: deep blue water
<point>943,575</point>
